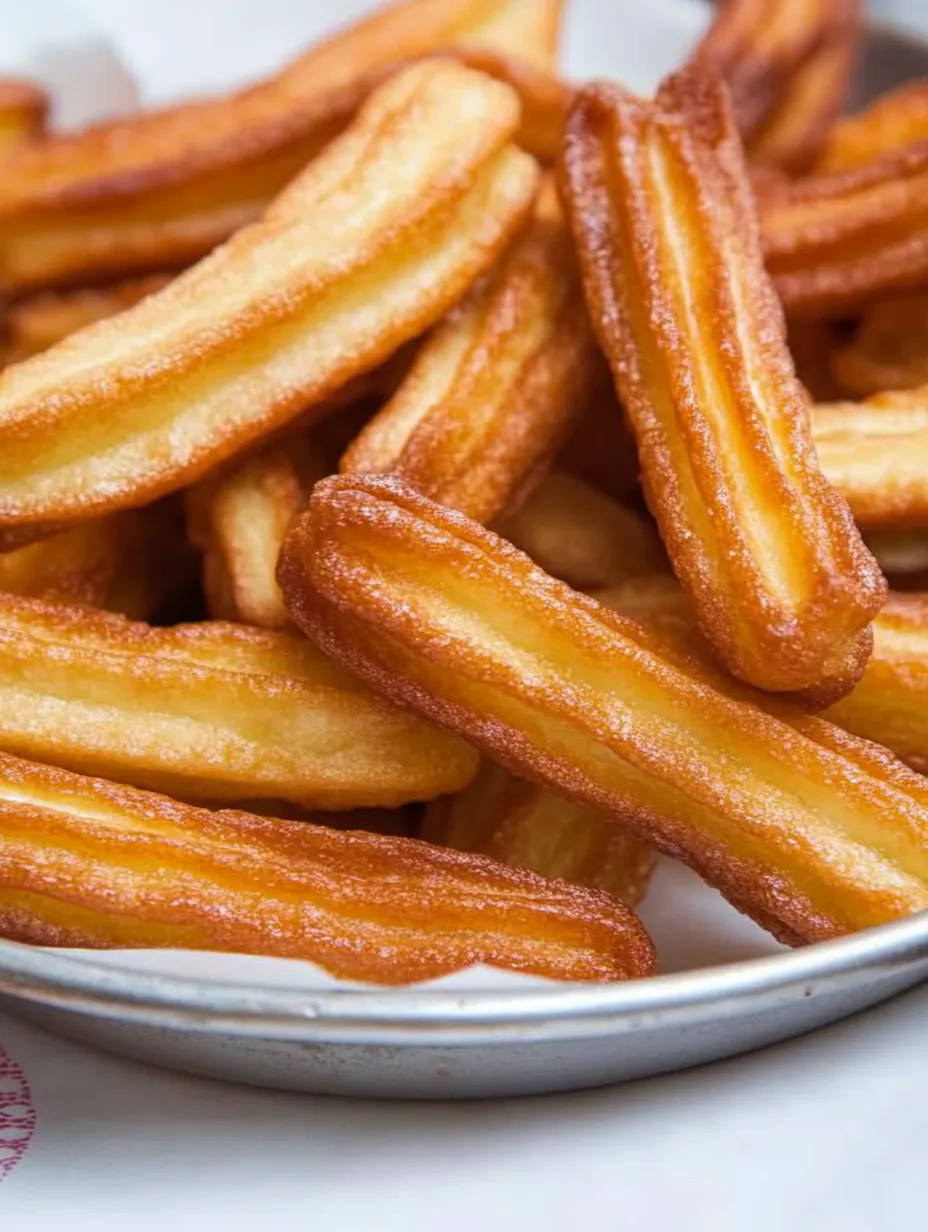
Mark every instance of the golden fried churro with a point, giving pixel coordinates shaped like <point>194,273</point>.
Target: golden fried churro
<point>239,519</point>
<point>38,322</point>
<point>876,455</point>
<point>23,109</point>
<point>159,190</point>
<point>131,563</point>
<point>812,831</point>
<point>762,49</point>
<point>793,134</point>
<point>890,704</point>
<point>889,349</point>
<point>835,242</point>
<point>895,120</point>
<point>209,711</point>
<point>583,536</point>
<point>371,245</point>
<point>768,553</point>
<point>88,863</point>
<point>492,394</point>
<point>521,824</point>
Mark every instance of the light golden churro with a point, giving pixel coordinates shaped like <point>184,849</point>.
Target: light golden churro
<point>239,519</point>
<point>209,711</point>
<point>23,109</point>
<point>34,324</point>
<point>810,830</point>
<point>371,245</point>
<point>131,563</point>
<point>793,134</point>
<point>159,190</point>
<point>768,553</point>
<point>521,824</point>
<point>893,121</point>
<point>583,536</point>
<point>88,863</point>
<point>889,349</point>
<point>876,455</point>
<point>834,243</point>
<point>762,50</point>
<point>494,391</point>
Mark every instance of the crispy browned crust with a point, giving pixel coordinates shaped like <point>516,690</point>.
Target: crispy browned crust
<point>762,49</point>
<point>521,824</point>
<point>889,349</point>
<point>239,519</point>
<point>88,863</point>
<point>209,711</point>
<point>492,394</point>
<point>896,119</point>
<point>812,831</point>
<point>368,247</point>
<point>583,536</point>
<point>792,136</point>
<point>23,111</point>
<point>131,563</point>
<point>36,323</point>
<point>890,704</point>
<point>835,242</point>
<point>876,454</point>
<point>768,553</point>
<point>159,190</point>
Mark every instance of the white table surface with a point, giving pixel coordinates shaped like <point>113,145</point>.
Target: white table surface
<point>825,1134</point>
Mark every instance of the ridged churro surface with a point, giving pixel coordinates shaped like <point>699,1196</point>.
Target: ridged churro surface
<point>811,830</point>
<point>209,711</point>
<point>493,393</point>
<point>896,119</point>
<point>371,245</point>
<point>88,863</point>
<point>781,582</point>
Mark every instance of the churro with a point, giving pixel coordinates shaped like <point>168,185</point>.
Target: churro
<point>889,349</point>
<point>583,536</point>
<point>810,830</point>
<point>368,247</point>
<point>159,190</point>
<point>88,863</point>
<point>23,110</point>
<point>768,553</point>
<point>493,393</point>
<point>876,454</point>
<point>896,119</point>
<point>521,824</point>
<point>209,711</point>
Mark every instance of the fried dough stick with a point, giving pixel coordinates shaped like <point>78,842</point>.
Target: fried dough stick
<point>159,190</point>
<point>897,119</point>
<point>834,243</point>
<point>239,519</point>
<point>889,705</point>
<point>23,109</point>
<point>366,249</point>
<point>792,136</point>
<point>876,455</point>
<point>811,831</point>
<point>889,349</point>
<point>494,391</point>
<point>768,553</point>
<point>762,50</point>
<point>209,711</point>
<point>582,536</point>
<point>34,324</point>
<point>88,863</point>
<point>521,824</point>
<point>132,563</point>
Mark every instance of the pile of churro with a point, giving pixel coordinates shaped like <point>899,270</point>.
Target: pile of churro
<point>431,489</point>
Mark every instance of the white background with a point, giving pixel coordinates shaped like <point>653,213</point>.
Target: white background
<point>821,1135</point>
